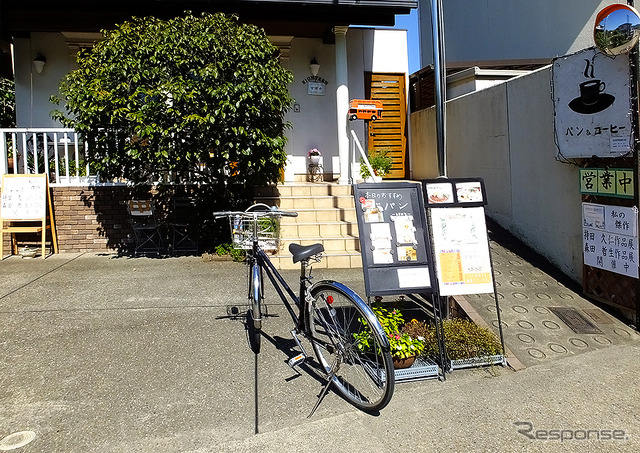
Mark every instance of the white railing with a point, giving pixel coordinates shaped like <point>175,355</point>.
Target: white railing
<point>60,153</point>
<point>356,144</point>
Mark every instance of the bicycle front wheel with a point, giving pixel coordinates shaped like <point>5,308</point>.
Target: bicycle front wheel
<point>351,346</point>
<point>254,318</point>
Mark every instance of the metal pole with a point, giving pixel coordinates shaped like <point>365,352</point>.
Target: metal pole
<point>634,60</point>
<point>437,30</point>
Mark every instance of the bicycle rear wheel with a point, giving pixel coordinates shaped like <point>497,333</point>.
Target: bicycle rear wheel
<point>341,323</point>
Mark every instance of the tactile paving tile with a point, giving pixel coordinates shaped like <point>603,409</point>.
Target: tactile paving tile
<point>526,294</point>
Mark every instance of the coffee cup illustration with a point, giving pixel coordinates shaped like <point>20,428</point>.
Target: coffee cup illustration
<point>592,97</point>
<point>590,91</point>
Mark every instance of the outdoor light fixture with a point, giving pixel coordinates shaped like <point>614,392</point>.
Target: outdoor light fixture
<point>314,66</point>
<point>39,62</point>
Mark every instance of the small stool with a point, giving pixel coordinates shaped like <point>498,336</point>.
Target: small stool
<point>315,173</point>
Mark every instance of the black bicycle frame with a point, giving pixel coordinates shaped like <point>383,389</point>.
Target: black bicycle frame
<point>279,284</point>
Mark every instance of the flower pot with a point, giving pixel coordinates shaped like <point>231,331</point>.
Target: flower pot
<point>399,364</point>
<point>373,179</point>
<point>315,160</point>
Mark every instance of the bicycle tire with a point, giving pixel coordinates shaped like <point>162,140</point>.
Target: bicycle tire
<point>254,318</point>
<point>364,378</point>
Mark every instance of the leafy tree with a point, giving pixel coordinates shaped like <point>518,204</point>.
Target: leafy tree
<point>7,103</point>
<point>203,96</point>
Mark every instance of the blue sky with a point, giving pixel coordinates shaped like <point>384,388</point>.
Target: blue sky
<point>410,23</point>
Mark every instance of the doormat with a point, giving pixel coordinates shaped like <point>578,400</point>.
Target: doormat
<point>575,320</point>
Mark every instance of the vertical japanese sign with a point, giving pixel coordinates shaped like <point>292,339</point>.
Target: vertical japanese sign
<point>591,98</point>
<point>610,238</point>
<point>459,234</point>
<point>396,254</point>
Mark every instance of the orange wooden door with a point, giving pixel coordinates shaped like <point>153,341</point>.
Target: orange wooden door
<point>390,131</point>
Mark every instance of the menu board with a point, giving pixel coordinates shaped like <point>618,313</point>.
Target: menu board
<point>459,234</point>
<point>24,197</point>
<point>396,254</point>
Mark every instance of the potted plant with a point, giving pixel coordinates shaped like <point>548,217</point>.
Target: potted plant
<point>314,156</point>
<point>380,163</point>
<point>404,347</point>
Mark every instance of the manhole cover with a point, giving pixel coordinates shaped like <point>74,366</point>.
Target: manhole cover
<point>575,320</point>
<point>16,440</point>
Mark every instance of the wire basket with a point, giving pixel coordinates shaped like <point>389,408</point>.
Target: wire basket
<point>268,232</point>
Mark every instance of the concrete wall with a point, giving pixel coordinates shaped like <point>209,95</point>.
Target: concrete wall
<point>511,29</point>
<point>504,134</point>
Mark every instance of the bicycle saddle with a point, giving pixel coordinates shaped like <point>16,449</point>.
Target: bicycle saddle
<point>303,252</point>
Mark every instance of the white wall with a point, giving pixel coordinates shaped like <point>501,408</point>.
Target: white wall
<point>33,107</point>
<point>504,134</point>
<point>314,125</point>
<point>511,29</point>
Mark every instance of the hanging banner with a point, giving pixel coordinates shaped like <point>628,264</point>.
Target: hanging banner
<point>610,238</point>
<point>591,98</point>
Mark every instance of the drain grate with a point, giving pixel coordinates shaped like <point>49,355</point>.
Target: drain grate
<point>575,320</point>
<point>598,316</point>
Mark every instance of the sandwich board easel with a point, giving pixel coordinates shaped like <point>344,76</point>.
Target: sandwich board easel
<point>25,207</point>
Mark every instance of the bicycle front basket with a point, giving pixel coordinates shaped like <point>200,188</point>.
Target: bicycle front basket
<point>268,232</point>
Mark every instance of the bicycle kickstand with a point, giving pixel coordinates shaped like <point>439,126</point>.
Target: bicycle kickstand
<point>330,377</point>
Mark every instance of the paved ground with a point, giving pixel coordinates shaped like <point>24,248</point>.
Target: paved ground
<point>100,353</point>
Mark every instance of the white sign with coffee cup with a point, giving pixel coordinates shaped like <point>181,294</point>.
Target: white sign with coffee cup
<point>591,97</point>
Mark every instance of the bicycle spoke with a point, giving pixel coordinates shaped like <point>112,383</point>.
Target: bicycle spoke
<point>364,375</point>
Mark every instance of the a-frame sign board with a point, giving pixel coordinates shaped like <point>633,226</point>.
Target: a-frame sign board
<point>462,253</point>
<point>396,255</point>
<point>25,207</point>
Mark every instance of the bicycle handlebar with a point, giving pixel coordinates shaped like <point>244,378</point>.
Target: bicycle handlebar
<point>272,211</point>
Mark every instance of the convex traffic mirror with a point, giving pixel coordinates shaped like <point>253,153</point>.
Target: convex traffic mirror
<point>617,29</point>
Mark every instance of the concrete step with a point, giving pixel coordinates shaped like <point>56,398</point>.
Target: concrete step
<point>294,203</point>
<point>326,214</point>
<point>304,189</point>
<point>346,260</point>
<point>318,229</point>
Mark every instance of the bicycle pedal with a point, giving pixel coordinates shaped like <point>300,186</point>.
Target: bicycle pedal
<point>297,360</point>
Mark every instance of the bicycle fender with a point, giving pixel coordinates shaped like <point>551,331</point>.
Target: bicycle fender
<point>255,276</point>
<point>371,317</point>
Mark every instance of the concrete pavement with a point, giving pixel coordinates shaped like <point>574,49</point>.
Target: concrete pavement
<point>101,353</point>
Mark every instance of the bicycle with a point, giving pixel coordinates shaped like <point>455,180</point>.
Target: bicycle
<point>350,344</point>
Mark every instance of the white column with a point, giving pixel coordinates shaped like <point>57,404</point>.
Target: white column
<point>342,101</point>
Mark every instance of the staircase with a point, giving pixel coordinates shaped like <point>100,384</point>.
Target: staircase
<point>326,213</point>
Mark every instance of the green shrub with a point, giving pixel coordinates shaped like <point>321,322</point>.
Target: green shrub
<point>380,163</point>
<point>463,339</point>
<point>226,248</point>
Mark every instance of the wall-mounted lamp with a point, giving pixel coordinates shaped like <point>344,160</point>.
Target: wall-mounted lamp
<point>39,62</point>
<point>314,66</point>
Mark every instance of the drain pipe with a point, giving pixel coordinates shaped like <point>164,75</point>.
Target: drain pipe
<point>437,30</point>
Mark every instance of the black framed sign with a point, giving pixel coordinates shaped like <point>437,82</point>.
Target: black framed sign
<point>459,192</point>
<point>394,240</point>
